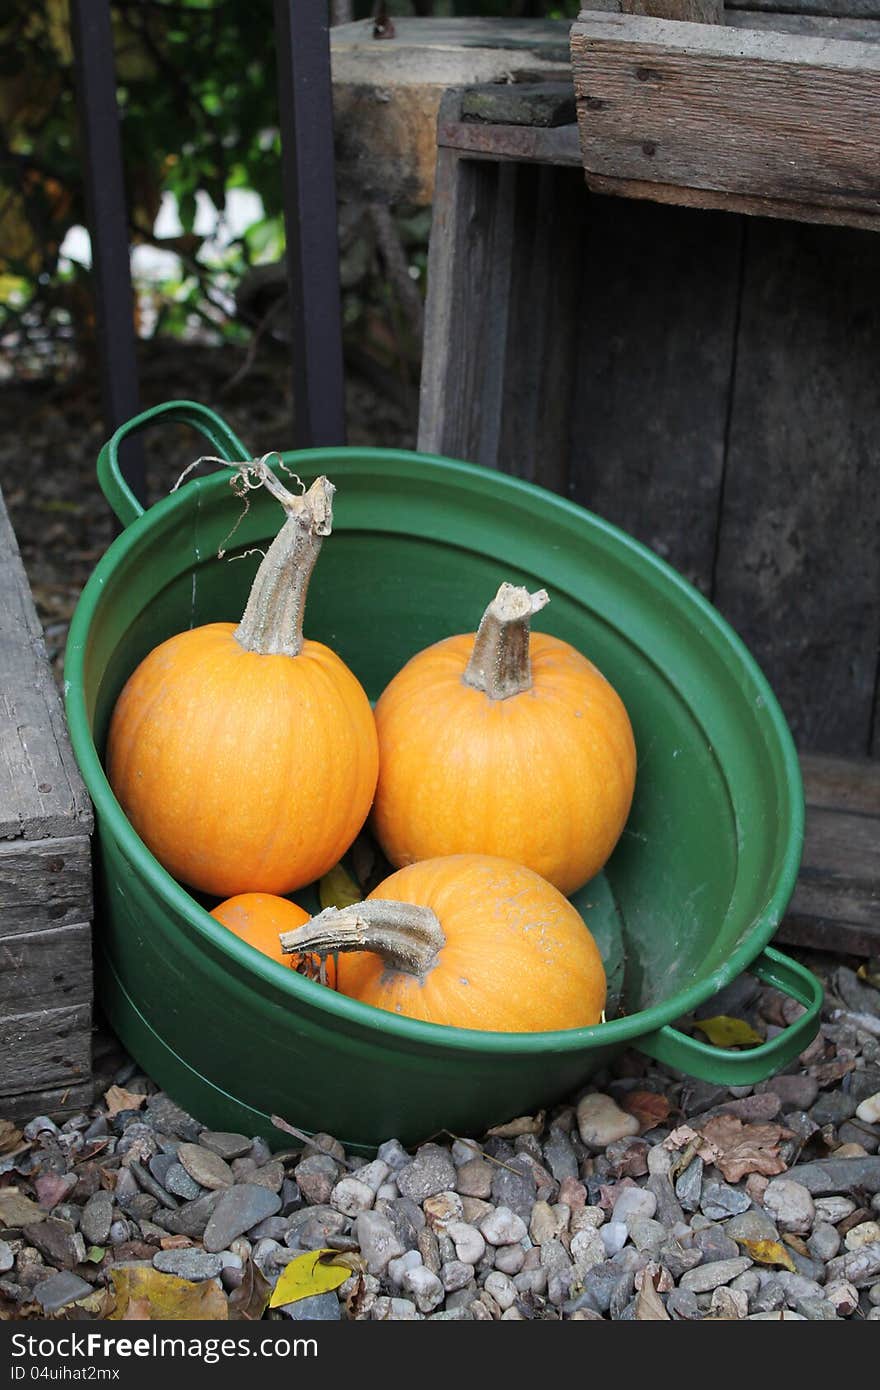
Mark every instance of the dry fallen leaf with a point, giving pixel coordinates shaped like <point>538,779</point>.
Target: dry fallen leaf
<point>524,1124</point>
<point>864,973</point>
<point>745,1148</point>
<point>684,1136</point>
<point>649,1304</point>
<point>768,1252</point>
<point>826,1073</point>
<point>338,889</point>
<point>18,1210</point>
<point>724,1031</point>
<point>145,1294</point>
<point>649,1108</point>
<point>118,1098</point>
<point>10,1137</point>
<point>308,1274</point>
<point>248,1302</point>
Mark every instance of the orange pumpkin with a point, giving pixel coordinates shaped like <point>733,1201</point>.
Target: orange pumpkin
<point>469,941</point>
<point>504,742</point>
<point>246,757</point>
<point>260,918</point>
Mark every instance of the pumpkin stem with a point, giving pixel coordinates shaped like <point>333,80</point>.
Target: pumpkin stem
<point>273,619</point>
<point>499,664</point>
<point>407,937</point>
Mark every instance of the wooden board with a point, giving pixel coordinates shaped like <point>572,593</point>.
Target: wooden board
<point>54,1045</point>
<point>655,357</point>
<point>733,113</point>
<point>58,1102</point>
<point>798,562</point>
<point>836,904</point>
<point>44,883</point>
<point>844,9</point>
<point>45,970</point>
<point>41,791</point>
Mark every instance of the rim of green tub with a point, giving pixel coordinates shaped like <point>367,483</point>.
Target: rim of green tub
<point>620,1031</point>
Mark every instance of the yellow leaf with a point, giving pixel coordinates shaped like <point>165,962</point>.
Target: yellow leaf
<point>308,1274</point>
<point>338,889</point>
<point>768,1252</point>
<point>146,1294</point>
<point>728,1032</point>
<point>865,974</point>
<point>118,1098</point>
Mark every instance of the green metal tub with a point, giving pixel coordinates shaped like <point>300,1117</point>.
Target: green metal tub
<point>689,900</point>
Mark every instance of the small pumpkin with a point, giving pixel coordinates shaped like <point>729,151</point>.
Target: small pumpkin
<point>245,756</point>
<point>260,918</point>
<point>470,941</point>
<point>504,742</point>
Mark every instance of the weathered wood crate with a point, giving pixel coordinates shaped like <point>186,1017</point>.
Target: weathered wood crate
<point>45,871</point>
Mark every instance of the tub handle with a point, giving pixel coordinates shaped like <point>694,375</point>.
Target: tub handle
<point>708,1063</point>
<point>223,441</point>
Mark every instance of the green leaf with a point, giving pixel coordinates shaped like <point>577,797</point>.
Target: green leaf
<point>307,1275</point>
<point>728,1032</point>
<point>338,889</point>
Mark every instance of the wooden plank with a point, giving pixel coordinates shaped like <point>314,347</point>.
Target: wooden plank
<point>814,26</point>
<point>41,792</point>
<point>828,934</point>
<point>542,104</point>
<point>524,144</point>
<point>798,570</point>
<point>58,1103</point>
<point>767,115</point>
<point>694,11</point>
<point>845,784</point>
<point>849,9</point>
<point>45,969</point>
<point>46,1049</point>
<point>44,883</point>
<point>658,314</point>
<point>544,326</point>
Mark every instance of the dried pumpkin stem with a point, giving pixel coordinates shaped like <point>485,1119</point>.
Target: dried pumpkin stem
<point>273,619</point>
<point>407,937</point>
<point>499,664</point>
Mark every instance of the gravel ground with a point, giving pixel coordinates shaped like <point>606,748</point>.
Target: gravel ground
<point>648,1196</point>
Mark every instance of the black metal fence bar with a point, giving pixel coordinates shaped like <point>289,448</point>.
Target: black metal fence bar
<point>306,111</point>
<point>108,223</point>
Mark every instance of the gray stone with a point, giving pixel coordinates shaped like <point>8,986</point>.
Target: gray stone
<point>682,1305</point>
<point>430,1172</point>
<point>751,1225</point>
<point>689,1185</point>
<point>770,1297</point>
<point>168,1118</point>
<point>600,1121</point>
<point>225,1144</point>
<point>59,1290</point>
<point>191,1263</point>
<point>796,1092</point>
<point>320,1223</point>
<point>394,1154</point>
<point>149,1184</point>
<point>455,1275</point>
<point>377,1240</point>
<point>839,1175</point>
<point>863,1084</point>
<point>698,1096</point>
<point>859,1134</point>
<point>468,1241</point>
<point>859,1267</point>
<point>790,1205</point>
<point>7,1259</point>
<point>402,1263</point>
<point>316,1177</point>
<point>205,1167</point>
<point>678,1258</point>
<point>319,1307</point>
<point>633,1201</point>
<point>159,1166</point>
<point>270,1175</point>
<point>647,1234</point>
<point>351,1196</point>
<point>715,1244</point>
<point>273,1228</point>
<point>514,1187</point>
<point>97,1217</point>
<point>832,1108</point>
<point>121,1231</point>
<point>559,1155</point>
<point>669,1209</point>
<point>784,1315</point>
<point>503,1227</point>
<point>57,1241</point>
<point>816,1309</point>
<point>474,1178</point>
<point>238,1209</point>
<point>719,1200</point>
<point>407,1219</point>
<point>707,1277</point>
<point>824,1243</point>
<point>425,1288</point>
<point>192,1218</point>
<point>179,1181</point>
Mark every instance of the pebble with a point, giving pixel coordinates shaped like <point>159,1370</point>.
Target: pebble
<point>503,1227</point>
<point>729,1303</point>
<point>469,1243</point>
<point>7,1258</point>
<point>502,1289</point>
<point>237,1210</point>
<point>377,1240</point>
<point>833,1209</point>
<point>97,1218</point>
<point>425,1287</point>
<point>784,1315</point>
<point>394,1154</point>
<point>795,1092</point>
<point>832,1108</point>
<point>790,1204</point>
<point>559,1156</point>
<point>474,1178</point>
<point>57,1241</point>
<point>824,1242</point>
<point>351,1196</point>
<point>860,1267</point>
<point>430,1172</point>
<point>205,1167</point>
<point>631,1202</point>
<point>866,1233</point>
<point>179,1181</point>
<point>614,1235</point>
<point>59,1290</point>
<point>401,1264</point>
<point>840,1175</point>
<point>169,1118</point>
<point>714,1243</point>
<point>718,1200</point>
<point>514,1186</point>
<point>682,1305</point>
<point>318,1307</point>
<point>869,1109</point>
<point>316,1177</point>
<point>600,1121</point>
<point>190,1263</point>
<point>455,1275</point>
<point>192,1218</point>
<point>225,1144</point>
<point>509,1258</point>
<point>689,1185</point>
<point>843,1296</point>
<point>707,1277</point>
<point>442,1209</point>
